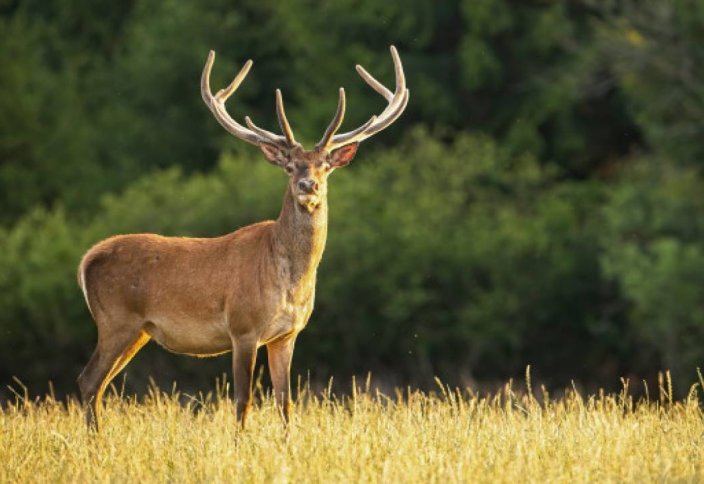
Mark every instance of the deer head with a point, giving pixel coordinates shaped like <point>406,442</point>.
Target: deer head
<point>308,170</point>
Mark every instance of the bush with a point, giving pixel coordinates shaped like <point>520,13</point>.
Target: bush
<point>653,246</point>
<point>454,260</point>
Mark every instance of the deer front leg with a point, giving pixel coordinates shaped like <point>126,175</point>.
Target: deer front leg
<point>280,354</point>
<point>243,358</point>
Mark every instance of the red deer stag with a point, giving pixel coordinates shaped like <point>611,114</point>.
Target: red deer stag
<point>237,292</point>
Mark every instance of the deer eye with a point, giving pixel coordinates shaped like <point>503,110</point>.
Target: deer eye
<point>289,168</point>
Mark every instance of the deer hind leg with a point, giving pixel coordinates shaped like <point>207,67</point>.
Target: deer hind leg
<point>108,359</point>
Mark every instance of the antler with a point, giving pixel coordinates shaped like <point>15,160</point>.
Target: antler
<point>252,134</point>
<point>330,141</point>
<point>397,103</point>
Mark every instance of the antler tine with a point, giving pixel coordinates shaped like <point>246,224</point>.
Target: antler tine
<point>205,78</point>
<point>398,70</point>
<point>379,87</point>
<point>224,94</point>
<point>216,104</point>
<point>397,102</point>
<point>288,138</point>
<point>335,123</point>
<point>345,138</point>
<point>266,134</point>
<point>283,121</point>
<point>391,115</point>
<point>376,85</point>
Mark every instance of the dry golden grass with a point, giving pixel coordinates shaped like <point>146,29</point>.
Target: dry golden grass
<point>448,436</point>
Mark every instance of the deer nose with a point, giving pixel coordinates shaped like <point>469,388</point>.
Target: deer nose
<point>307,185</point>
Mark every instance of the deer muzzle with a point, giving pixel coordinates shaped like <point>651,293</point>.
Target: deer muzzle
<point>308,186</point>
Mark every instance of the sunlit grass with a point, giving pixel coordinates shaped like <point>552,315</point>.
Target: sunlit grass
<point>448,435</point>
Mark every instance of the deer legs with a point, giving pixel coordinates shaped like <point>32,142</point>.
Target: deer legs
<point>244,355</point>
<point>108,359</point>
<point>244,358</point>
<point>280,353</point>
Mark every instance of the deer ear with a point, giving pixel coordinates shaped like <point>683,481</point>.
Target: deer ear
<point>273,153</point>
<point>342,156</point>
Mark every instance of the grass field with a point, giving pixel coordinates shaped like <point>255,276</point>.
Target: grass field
<point>446,435</point>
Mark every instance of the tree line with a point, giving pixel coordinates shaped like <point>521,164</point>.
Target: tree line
<point>540,202</point>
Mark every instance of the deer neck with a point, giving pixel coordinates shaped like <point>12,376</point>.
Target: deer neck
<point>299,239</point>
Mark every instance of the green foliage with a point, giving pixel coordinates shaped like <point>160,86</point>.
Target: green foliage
<point>654,248</point>
<point>441,259</point>
<point>38,297</point>
<point>105,92</point>
<point>565,232</point>
<point>40,149</point>
<point>654,51</point>
<point>464,262</point>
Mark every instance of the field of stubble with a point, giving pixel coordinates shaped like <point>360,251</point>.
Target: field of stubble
<point>444,436</point>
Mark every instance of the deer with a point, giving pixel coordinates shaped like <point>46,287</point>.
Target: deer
<point>235,293</point>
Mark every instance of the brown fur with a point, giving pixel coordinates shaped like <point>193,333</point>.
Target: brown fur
<point>207,296</point>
